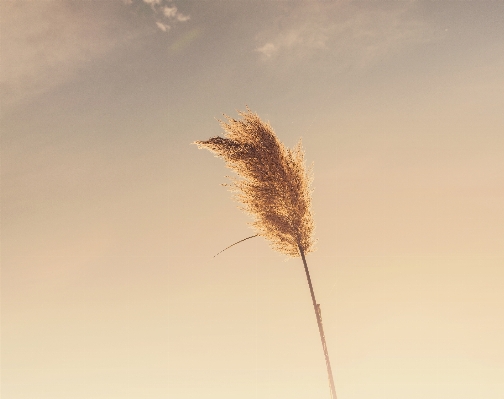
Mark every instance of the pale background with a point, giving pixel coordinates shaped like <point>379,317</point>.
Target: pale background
<point>110,218</point>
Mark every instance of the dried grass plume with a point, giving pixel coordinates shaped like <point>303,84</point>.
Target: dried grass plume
<point>273,184</point>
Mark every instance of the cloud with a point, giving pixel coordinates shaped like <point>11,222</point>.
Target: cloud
<point>165,15</point>
<point>305,37</point>
<point>162,26</point>
<point>356,33</point>
<point>170,12</point>
<point>268,49</point>
<point>44,43</point>
<point>183,18</point>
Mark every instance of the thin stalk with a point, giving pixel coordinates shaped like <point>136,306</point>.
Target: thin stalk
<point>316,308</point>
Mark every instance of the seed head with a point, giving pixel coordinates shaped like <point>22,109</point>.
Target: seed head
<point>273,184</point>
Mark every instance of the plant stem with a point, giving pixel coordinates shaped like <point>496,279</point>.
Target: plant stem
<point>318,314</point>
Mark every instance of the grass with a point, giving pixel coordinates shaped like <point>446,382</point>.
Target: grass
<point>273,186</point>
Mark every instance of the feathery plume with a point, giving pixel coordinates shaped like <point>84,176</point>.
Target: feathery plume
<point>274,186</point>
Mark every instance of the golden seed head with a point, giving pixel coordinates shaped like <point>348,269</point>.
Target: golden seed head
<point>274,185</point>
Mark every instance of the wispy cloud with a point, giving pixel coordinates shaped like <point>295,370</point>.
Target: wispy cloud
<point>165,12</point>
<point>268,50</point>
<point>356,33</point>
<point>299,38</point>
<point>170,12</point>
<point>163,26</point>
<point>45,42</point>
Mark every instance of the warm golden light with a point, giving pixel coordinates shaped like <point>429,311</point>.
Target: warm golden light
<point>110,220</point>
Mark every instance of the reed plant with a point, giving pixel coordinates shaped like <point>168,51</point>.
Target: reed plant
<point>273,186</point>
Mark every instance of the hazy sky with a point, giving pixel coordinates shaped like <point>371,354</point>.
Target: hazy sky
<point>110,218</point>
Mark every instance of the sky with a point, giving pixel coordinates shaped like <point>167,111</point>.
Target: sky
<point>110,218</point>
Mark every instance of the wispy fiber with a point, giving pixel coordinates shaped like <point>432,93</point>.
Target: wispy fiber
<point>274,184</point>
